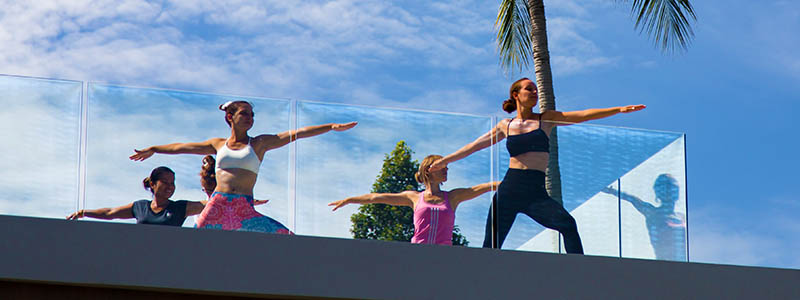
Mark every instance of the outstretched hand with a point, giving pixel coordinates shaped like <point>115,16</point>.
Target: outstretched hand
<point>631,108</point>
<point>437,165</point>
<point>142,154</point>
<point>343,126</point>
<point>76,215</point>
<point>337,204</point>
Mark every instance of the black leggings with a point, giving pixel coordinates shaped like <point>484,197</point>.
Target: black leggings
<point>522,191</point>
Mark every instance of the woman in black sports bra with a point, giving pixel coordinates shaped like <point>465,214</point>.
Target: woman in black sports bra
<point>522,189</point>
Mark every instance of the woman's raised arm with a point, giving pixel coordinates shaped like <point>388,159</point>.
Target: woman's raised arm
<point>107,213</point>
<point>286,137</point>
<point>397,199</point>
<point>463,194</point>
<point>580,116</point>
<point>490,138</point>
<point>202,148</point>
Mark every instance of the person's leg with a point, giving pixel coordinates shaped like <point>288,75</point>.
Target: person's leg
<point>552,214</point>
<point>505,214</point>
<point>489,239</point>
<point>265,224</point>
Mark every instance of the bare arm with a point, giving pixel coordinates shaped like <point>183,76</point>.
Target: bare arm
<point>463,194</point>
<point>195,207</point>
<point>490,138</point>
<point>580,116</point>
<point>397,199</point>
<point>286,137</point>
<point>107,213</point>
<point>202,148</point>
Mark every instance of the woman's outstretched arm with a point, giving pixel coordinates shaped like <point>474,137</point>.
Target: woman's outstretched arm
<point>107,213</point>
<point>490,138</point>
<point>397,199</point>
<point>463,194</point>
<point>286,137</point>
<point>202,148</point>
<point>580,116</point>
<point>195,207</point>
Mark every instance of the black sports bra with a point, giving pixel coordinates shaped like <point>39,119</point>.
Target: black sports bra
<point>532,141</point>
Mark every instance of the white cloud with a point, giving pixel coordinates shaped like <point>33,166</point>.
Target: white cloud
<point>275,48</point>
<point>571,50</point>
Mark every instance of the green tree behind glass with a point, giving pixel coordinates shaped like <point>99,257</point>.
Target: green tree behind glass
<point>388,222</point>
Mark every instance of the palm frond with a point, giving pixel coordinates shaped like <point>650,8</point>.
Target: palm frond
<point>665,22</point>
<point>513,34</point>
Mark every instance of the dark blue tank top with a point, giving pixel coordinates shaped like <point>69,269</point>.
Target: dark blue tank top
<point>174,214</point>
<point>532,141</point>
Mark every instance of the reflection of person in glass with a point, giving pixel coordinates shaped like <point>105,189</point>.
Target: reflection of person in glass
<point>667,228</point>
<point>522,189</point>
<point>238,161</point>
<point>434,209</point>
<point>160,211</point>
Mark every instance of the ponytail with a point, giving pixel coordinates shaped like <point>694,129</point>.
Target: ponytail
<point>208,176</point>
<point>146,183</point>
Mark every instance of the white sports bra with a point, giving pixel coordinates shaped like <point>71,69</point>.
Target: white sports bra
<point>244,158</point>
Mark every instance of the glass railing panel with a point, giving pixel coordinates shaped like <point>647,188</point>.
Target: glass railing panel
<point>591,159</point>
<point>653,204</point>
<point>41,121</point>
<point>338,165</point>
<point>121,119</point>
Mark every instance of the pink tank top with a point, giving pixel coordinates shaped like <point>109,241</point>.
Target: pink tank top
<point>433,223</point>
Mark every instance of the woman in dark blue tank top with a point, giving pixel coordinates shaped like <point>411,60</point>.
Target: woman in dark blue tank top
<point>522,189</point>
<point>159,211</point>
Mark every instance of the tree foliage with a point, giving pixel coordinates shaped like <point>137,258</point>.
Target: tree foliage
<point>388,222</point>
<point>668,23</point>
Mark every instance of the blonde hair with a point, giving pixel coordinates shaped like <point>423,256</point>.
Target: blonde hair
<point>422,174</point>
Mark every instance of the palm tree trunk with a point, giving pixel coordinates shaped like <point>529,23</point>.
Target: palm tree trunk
<point>544,82</point>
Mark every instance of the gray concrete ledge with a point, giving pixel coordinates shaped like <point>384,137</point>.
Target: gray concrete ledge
<point>146,257</point>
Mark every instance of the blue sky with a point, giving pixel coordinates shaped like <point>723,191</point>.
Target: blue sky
<point>734,93</point>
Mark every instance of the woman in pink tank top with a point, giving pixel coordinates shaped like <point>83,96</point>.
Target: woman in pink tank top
<point>434,209</point>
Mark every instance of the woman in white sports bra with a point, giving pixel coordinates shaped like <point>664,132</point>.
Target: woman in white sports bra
<point>238,159</point>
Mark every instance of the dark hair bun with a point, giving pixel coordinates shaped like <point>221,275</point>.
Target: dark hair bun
<point>509,105</point>
<point>146,183</point>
